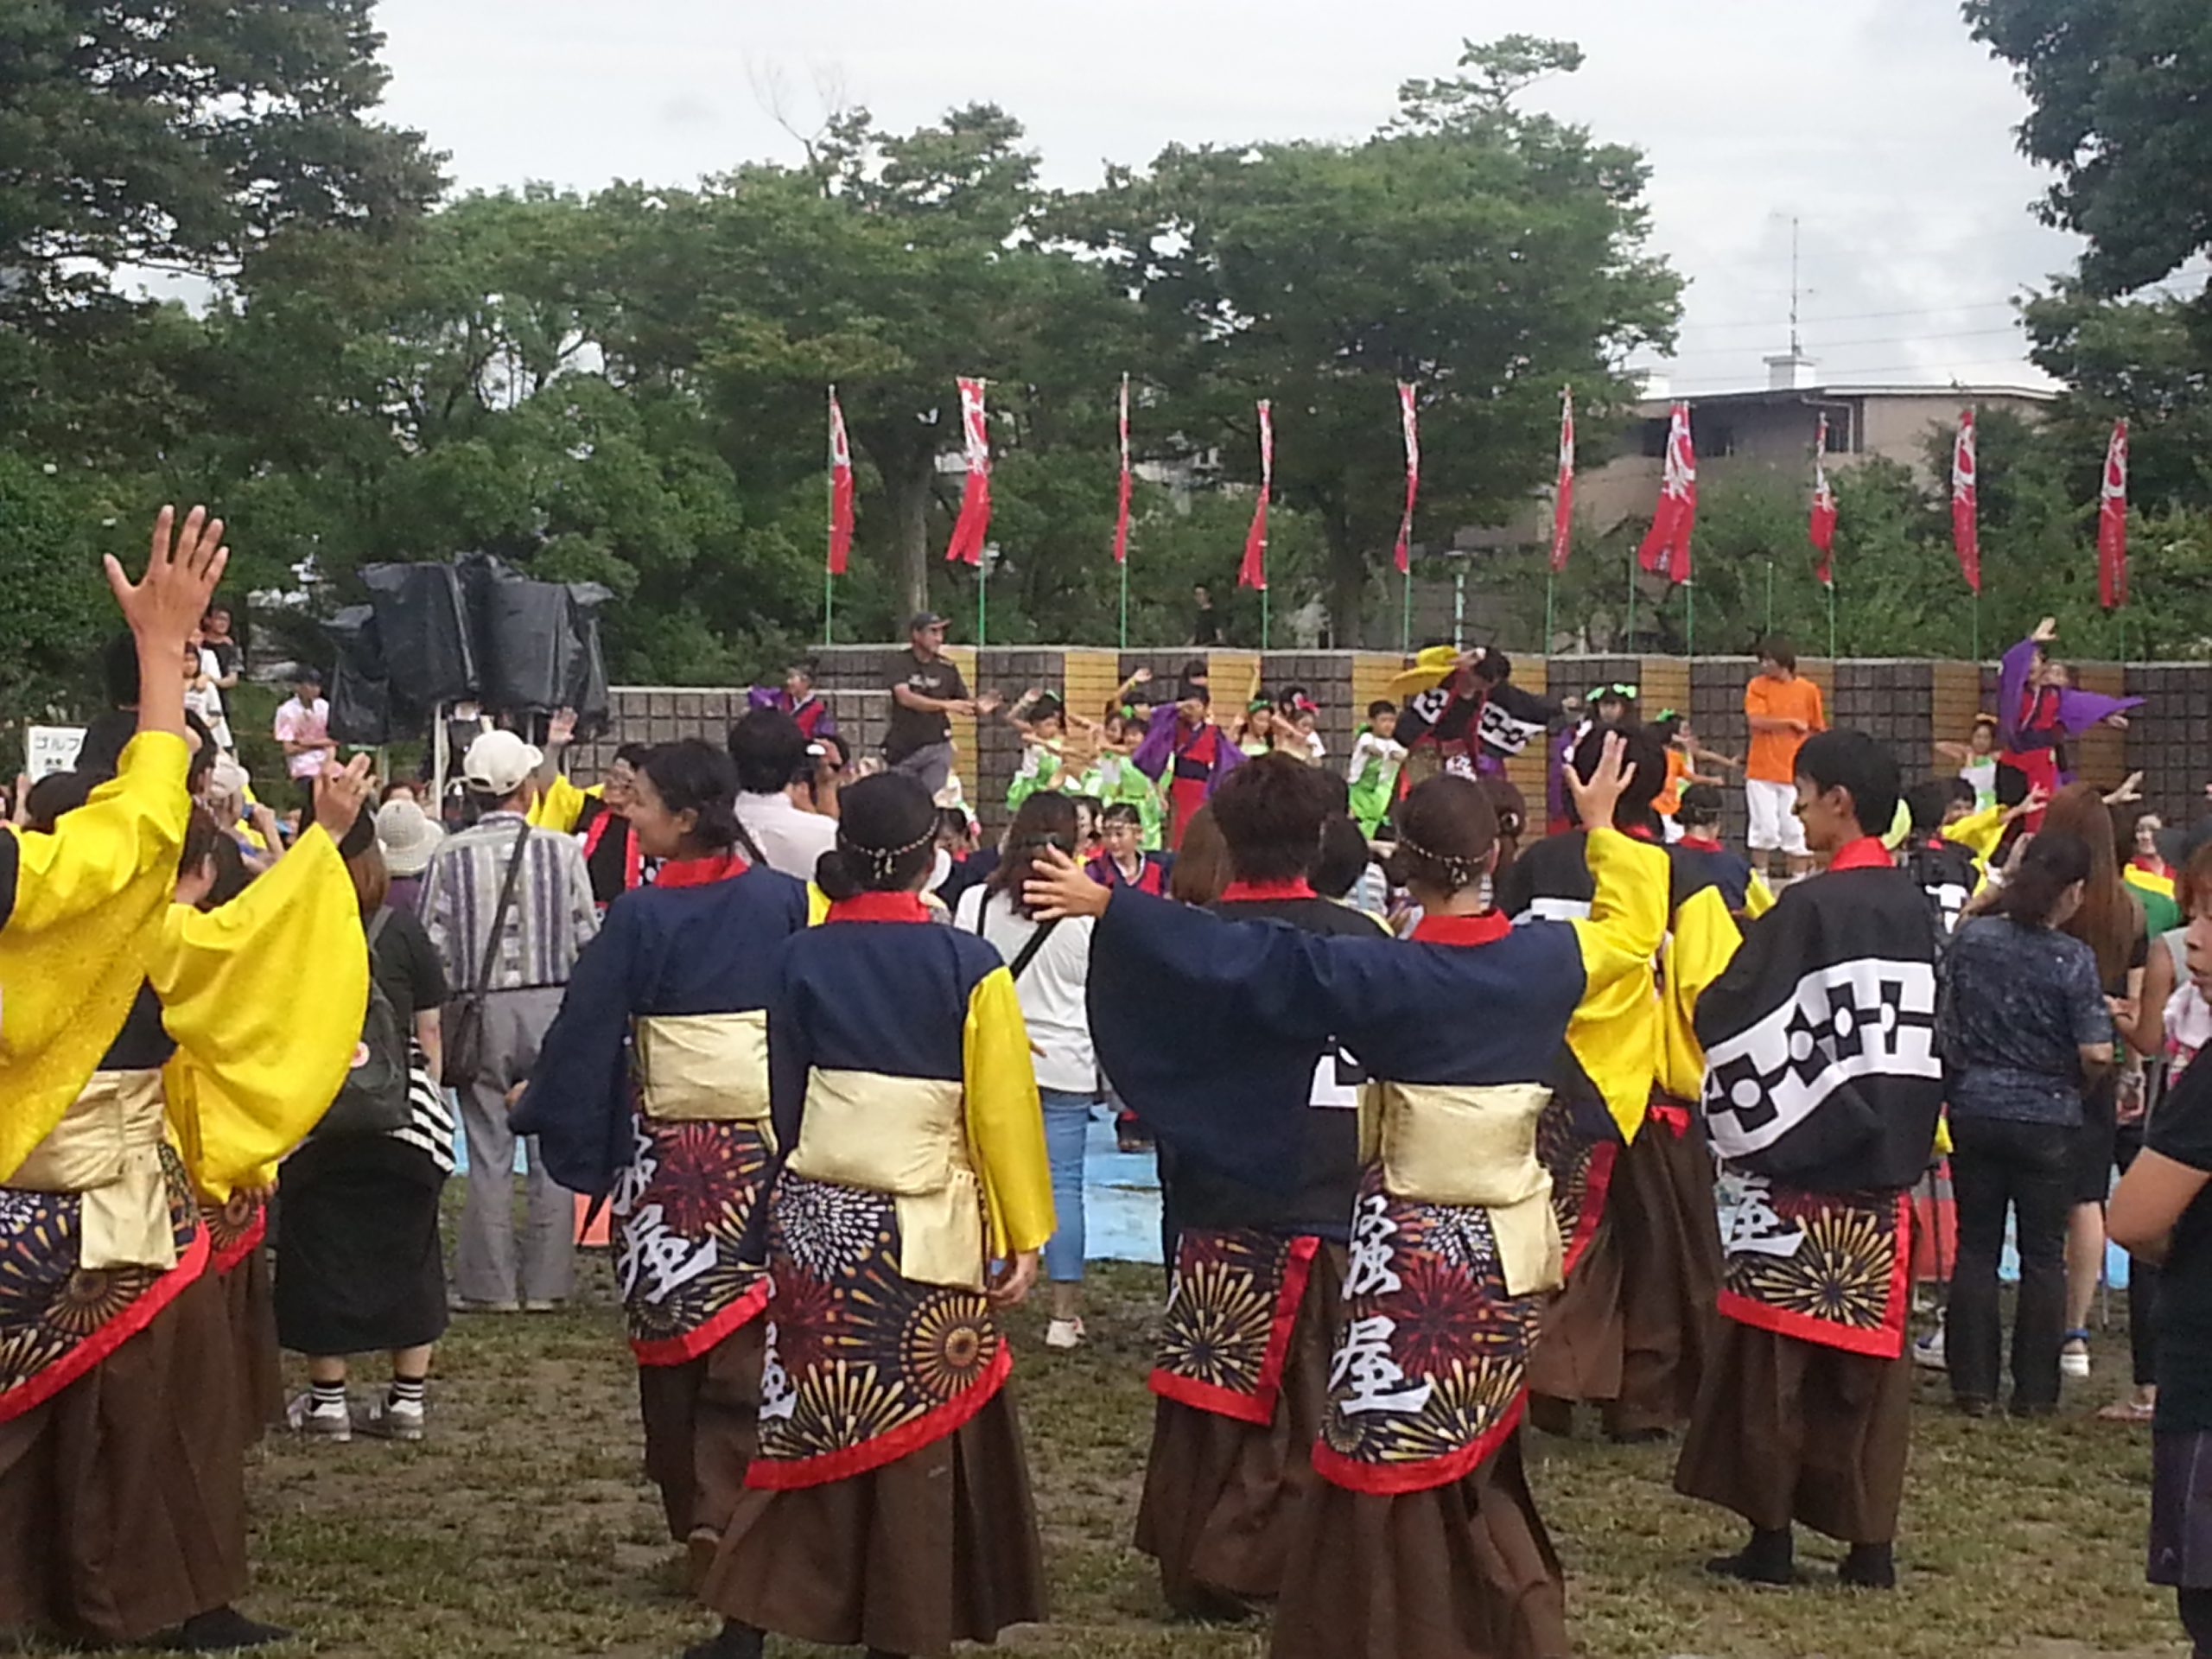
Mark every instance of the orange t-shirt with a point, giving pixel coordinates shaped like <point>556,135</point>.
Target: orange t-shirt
<point>1670,800</point>
<point>1774,754</point>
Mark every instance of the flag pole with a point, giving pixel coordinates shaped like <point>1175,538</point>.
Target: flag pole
<point>1406,619</point>
<point>1628,642</point>
<point>1551,578</point>
<point>982,585</point>
<point>1689,608</point>
<point>1263,617</point>
<point>1977,625</point>
<point>1769,595</point>
<point>1125,604</point>
<point>1830,586</point>
<point>828,602</point>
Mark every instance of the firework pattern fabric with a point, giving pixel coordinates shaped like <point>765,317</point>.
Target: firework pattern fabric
<point>1231,1307</point>
<point>1827,1268</point>
<point>681,1213</point>
<point>863,1365</point>
<point>58,1321</point>
<point>1429,1376</point>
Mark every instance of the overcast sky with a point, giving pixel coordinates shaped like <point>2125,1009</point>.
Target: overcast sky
<point>1883,127</point>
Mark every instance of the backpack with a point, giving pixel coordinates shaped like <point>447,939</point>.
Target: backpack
<point>373,1098</point>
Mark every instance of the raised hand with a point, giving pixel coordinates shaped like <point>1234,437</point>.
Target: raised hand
<point>165,604</point>
<point>2046,631</point>
<point>338,796</point>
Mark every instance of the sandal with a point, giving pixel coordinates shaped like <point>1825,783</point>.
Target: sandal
<point>2074,1355</point>
<point>2128,1411</point>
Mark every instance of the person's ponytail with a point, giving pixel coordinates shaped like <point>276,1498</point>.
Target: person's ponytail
<point>2055,861</point>
<point>837,875</point>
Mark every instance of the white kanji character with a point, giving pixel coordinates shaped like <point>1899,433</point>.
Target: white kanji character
<point>1368,1271</point>
<point>1363,1360</point>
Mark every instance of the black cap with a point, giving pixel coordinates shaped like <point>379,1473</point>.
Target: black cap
<point>924,620</point>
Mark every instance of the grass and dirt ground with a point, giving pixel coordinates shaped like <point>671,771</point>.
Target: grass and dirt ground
<point>525,1527</point>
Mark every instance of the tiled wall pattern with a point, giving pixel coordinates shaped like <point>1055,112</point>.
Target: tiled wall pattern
<point>1908,704</point>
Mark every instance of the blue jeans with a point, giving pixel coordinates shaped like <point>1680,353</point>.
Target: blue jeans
<point>1067,1128</point>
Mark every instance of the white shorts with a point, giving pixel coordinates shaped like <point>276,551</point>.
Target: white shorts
<point>1775,823</point>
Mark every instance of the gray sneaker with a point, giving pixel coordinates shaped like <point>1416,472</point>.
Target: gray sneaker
<point>386,1419</point>
<point>304,1416</point>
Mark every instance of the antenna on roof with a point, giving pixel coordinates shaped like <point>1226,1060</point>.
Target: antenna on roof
<point>1797,347</point>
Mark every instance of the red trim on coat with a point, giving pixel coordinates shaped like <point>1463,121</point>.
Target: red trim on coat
<point>1485,929</point>
<point>245,1244</point>
<point>1664,1109</point>
<point>701,872</point>
<point>1887,1343</point>
<point>1390,1479</point>
<point>681,1350</point>
<point>880,907</point>
<point>1597,1182</point>
<point>634,866</point>
<point>787,1474</point>
<point>1296,887</point>
<point>1258,1406</point>
<point>1699,844</point>
<point>1866,852</point>
<point>111,1336</point>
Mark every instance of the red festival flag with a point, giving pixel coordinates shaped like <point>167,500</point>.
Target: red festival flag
<point>1666,545</point>
<point>2111,523</point>
<point>1253,572</point>
<point>841,489</point>
<point>1563,497</point>
<point>975,521</point>
<point>1823,510</point>
<point>1966,503</point>
<point>1410,422</point>
<point>1122,508</point>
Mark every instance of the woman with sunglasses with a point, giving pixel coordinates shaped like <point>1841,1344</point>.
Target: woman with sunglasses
<point>1050,965</point>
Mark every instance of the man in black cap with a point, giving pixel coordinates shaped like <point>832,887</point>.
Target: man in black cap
<point>926,691</point>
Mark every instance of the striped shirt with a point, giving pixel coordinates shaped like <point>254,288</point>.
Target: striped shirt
<point>552,918</point>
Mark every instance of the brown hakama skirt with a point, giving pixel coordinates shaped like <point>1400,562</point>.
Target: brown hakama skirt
<point>1633,1328</point>
<point>1222,1498</point>
<point>250,1306</point>
<point>1788,1430</point>
<point>122,1497</point>
<point>701,1422</point>
<point>1462,1571</point>
<point>937,1547</point>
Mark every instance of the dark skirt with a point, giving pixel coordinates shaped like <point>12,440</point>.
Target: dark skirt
<point>2181,1510</point>
<point>701,1422</point>
<point>360,1267</point>
<point>1634,1325</point>
<point>2095,1146</point>
<point>1789,1430</point>
<point>939,1547</point>
<point>123,1498</point>
<point>1463,1571</point>
<point>250,1303</point>
<point>1222,1496</point>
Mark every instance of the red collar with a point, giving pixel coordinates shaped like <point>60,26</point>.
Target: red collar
<point>1491,926</point>
<point>880,907</point>
<point>1637,831</point>
<point>701,872</point>
<point>1699,844</point>
<point>1247,892</point>
<point>1866,852</point>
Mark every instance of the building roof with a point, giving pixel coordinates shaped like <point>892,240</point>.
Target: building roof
<point>1842,392</point>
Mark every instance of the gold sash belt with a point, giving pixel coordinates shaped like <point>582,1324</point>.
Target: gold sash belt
<point>107,1150</point>
<point>1474,1146</point>
<point>704,1068</point>
<point>905,1137</point>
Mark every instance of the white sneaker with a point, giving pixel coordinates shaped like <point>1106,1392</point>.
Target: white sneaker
<point>1928,1352</point>
<point>388,1419</point>
<point>1063,1333</point>
<point>324,1422</point>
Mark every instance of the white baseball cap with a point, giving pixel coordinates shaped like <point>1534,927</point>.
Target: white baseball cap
<point>498,762</point>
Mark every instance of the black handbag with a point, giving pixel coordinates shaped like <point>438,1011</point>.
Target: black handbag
<point>463,1024</point>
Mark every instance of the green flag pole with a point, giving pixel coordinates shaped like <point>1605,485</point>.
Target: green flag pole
<point>982,583</point>
<point>1551,578</point>
<point>1406,621</point>
<point>1831,587</point>
<point>1125,602</point>
<point>1689,612</point>
<point>1769,595</point>
<point>1628,642</point>
<point>828,601</point>
<point>1263,617</point>
<point>1977,625</point>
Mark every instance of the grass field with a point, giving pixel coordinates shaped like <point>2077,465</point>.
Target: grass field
<point>525,1527</point>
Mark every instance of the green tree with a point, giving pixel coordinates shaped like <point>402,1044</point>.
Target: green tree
<point>1485,254</point>
<point>2117,89</point>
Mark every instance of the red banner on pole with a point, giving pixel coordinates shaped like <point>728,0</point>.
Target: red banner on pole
<point>1667,544</point>
<point>1409,423</point>
<point>1253,572</point>
<point>1966,502</point>
<point>1122,505</point>
<point>1563,497</point>
<point>841,489</point>
<point>1823,510</point>
<point>2111,523</point>
<point>968,531</point>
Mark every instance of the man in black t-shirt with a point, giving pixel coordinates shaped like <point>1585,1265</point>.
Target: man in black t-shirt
<point>926,691</point>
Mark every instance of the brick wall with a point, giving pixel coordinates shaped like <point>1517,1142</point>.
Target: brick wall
<point>1908,704</point>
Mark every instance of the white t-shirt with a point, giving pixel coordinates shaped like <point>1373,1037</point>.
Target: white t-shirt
<point>792,839</point>
<point>207,700</point>
<point>297,723</point>
<point>1051,988</point>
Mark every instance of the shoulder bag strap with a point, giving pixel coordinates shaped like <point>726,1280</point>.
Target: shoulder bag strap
<point>1027,954</point>
<point>376,924</point>
<point>499,916</point>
